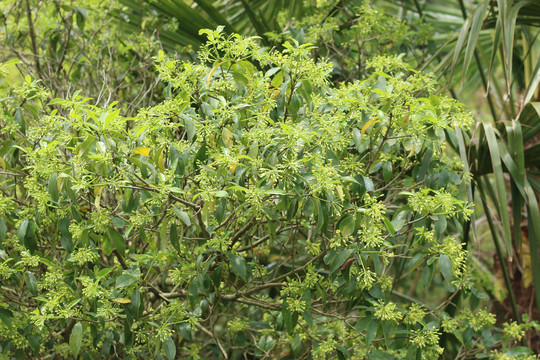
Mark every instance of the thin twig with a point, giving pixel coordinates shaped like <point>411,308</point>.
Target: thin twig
<point>33,36</point>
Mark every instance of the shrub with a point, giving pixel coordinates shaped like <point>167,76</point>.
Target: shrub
<point>256,212</point>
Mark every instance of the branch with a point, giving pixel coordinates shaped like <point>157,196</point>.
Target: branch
<point>242,231</point>
<point>33,36</point>
<point>196,207</point>
<point>120,259</point>
<point>292,272</point>
<point>211,334</point>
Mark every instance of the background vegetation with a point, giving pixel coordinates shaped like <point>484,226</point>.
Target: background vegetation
<point>264,197</point>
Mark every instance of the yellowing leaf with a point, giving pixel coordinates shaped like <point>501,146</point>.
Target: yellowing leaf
<point>412,151</point>
<point>525,256</point>
<point>2,164</point>
<point>227,137</point>
<point>142,151</point>
<point>160,162</point>
<point>339,191</point>
<point>97,202</point>
<point>122,301</point>
<point>212,73</point>
<point>232,168</point>
<point>97,194</point>
<point>407,116</point>
<point>368,124</point>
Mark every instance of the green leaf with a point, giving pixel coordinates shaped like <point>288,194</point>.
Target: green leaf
<point>239,265</point>
<point>289,318</point>
<point>533,214</point>
<point>221,193</point>
<point>190,127</point>
<point>340,260</point>
<point>368,184</point>
<point>266,343</point>
<point>387,171</point>
<point>73,303</point>
<point>309,319</point>
<point>411,352</point>
<point>75,339</point>
<point>128,334</point>
<point>343,352</point>
<point>426,161</point>
<point>5,316</point>
<point>347,225</point>
<point>170,348</point>
<point>163,243</point>
<point>34,342</point>
<point>468,336</point>
<point>185,331</point>
<point>125,280</point>
<point>193,293</point>
<point>31,282</point>
<point>21,230</point>
<point>387,331</point>
<point>464,158</point>
<point>107,245</point>
<point>4,148</point>
<point>477,19</point>
<point>173,236</point>
<point>500,183</point>
<point>85,146</point>
<point>507,17</point>
<point>19,119</point>
<point>389,226</point>
<point>275,192</point>
<point>128,277</point>
<point>446,267</point>
<point>496,242</point>
<point>427,275</point>
<point>296,345</point>
<point>278,79</point>
<point>518,352</point>
<point>533,84</point>
<point>53,187</point>
<point>117,240</point>
<point>118,222</point>
<point>182,216</point>
<point>3,230</point>
<point>81,17</point>
<point>137,304</point>
<point>440,224</point>
<point>371,331</point>
<point>26,234</point>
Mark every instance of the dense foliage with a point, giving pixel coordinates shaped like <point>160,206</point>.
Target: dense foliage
<point>264,209</point>
<point>257,210</point>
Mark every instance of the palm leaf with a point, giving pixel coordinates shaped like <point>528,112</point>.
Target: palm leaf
<point>495,152</point>
<point>499,150</point>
